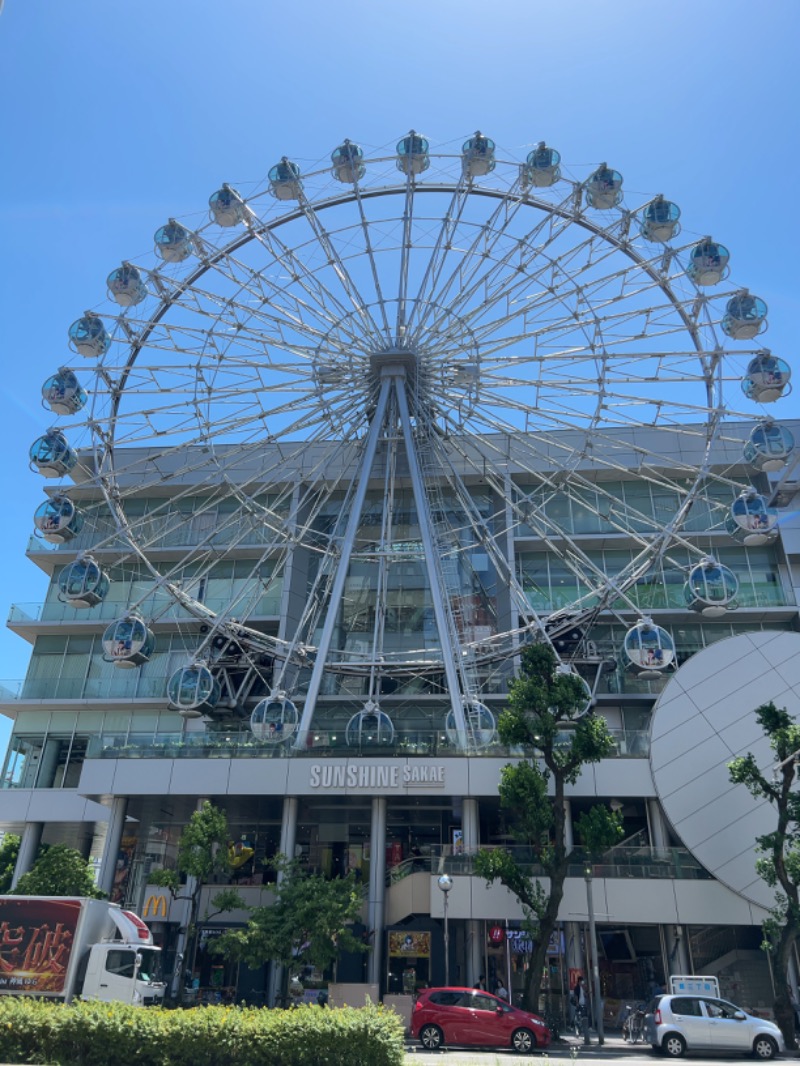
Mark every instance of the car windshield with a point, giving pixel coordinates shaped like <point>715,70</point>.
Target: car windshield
<point>150,970</point>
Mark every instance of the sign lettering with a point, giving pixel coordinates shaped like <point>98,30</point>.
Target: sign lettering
<point>358,776</point>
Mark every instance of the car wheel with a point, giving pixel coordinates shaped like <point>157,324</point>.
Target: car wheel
<point>431,1037</point>
<point>764,1047</point>
<point>673,1045</point>
<point>523,1041</point>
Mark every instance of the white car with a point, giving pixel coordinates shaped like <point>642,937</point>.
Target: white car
<point>675,1024</point>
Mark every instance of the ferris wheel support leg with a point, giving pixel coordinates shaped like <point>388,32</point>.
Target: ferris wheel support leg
<point>450,653</point>
<point>337,590</point>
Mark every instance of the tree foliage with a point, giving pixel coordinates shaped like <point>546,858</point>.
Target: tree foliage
<point>545,711</point>
<point>779,850</point>
<point>9,850</point>
<point>202,852</point>
<point>309,922</point>
<point>59,871</point>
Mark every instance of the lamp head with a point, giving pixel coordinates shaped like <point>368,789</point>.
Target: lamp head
<point>445,883</point>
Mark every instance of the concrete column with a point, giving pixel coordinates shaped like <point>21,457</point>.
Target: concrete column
<point>114,832</point>
<point>49,764</point>
<point>288,829</point>
<point>286,848</point>
<point>470,825</point>
<point>28,847</point>
<point>677,951</point>
<point>569,837</point>
<point>376,911</point>
<point>659,834</point>
<point>574,948</point>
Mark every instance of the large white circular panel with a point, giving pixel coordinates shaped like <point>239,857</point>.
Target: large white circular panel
<point>703,719</point>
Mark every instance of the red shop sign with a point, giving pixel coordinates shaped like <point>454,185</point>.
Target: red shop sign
<point>497,934</point>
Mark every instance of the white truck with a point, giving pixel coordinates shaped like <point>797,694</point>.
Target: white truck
<point>59,947</point>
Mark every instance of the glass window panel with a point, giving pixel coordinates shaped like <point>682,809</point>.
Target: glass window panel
<point>32,721</point>
<point>585,516</point>
<point>638,506</point>
<point>22,762</point>
<point>559,513</point>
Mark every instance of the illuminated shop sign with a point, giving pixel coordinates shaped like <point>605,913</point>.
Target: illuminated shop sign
<point>410,945</point>
<point>424,775</point>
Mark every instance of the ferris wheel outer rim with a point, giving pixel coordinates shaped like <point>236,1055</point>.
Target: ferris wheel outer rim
<point>105,450</point>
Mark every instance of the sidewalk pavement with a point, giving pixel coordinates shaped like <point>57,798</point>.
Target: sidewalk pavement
<point>566,1047</point>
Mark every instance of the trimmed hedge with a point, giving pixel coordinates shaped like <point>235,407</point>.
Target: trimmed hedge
<point>96,1034</point>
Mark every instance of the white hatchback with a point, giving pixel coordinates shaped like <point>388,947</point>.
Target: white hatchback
<point>676,1023</point>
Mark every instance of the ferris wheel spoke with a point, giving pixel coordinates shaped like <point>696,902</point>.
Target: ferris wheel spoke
<point>359,305</point>
<point>322,303</point>
<point>405,258</point>
<point>243,321</point>
<point>301,276</point>
<point>438,254</point>
<point>267,290</point>
<point>575,314</point>
<point>577,286</point>
<point>588,573</point>
<point>376,278</point>
<point>489,284</point>
<point>471,264</point>
<point>567,457</point>
<point>477,524</point>
<point>512,277</point>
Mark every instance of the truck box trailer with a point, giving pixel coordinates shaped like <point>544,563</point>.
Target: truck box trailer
<point>59,947</point>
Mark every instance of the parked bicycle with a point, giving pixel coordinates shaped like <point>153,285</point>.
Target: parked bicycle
<point>578,1023</point>
<point>633,1026</point>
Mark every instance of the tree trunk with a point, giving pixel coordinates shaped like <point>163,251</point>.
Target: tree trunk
<point>784,1011</point>
<point>547,924</point>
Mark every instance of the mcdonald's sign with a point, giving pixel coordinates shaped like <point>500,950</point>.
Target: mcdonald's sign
<point>153,905</point>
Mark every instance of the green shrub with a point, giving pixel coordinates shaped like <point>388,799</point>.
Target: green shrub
<point>96,1034</point>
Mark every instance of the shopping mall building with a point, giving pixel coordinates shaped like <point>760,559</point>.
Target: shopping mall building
<point>341,452</point>
<point>103,758</point>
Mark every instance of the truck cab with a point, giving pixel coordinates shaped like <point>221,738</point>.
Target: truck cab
<point>125,973</point>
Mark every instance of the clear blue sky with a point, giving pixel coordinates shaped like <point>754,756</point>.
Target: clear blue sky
<point>116,116</point>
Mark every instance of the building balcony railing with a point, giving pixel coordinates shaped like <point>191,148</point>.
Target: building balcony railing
<point>119,685</point>
<point>177,534</point>
<point>628,743</point>
<point>639,862</point>
<point>55,611</point>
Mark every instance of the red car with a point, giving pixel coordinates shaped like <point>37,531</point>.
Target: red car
<point>469,1016</point>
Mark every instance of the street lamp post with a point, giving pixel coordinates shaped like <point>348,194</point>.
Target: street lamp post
<point>445,883</point>
<point>598,1003</point>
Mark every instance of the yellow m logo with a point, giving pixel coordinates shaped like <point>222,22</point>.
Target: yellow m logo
<point>154,904</point>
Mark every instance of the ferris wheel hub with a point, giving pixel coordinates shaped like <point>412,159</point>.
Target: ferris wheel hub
<point>394,362</point>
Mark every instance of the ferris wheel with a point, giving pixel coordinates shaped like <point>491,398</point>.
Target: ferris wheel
<point>349,387</point>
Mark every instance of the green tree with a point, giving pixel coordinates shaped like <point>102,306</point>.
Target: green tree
<point>779,864</point>
<point>545,711</point>
<point>308,924</point>
<point>59,871</point>
<point>202,852</point>
<point>9,850</point>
